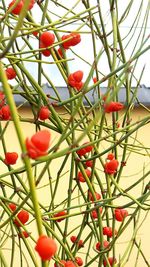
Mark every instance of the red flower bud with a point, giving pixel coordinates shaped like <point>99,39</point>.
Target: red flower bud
<point>80,176</point>
<point>111,261</point>
<point>113,107</point>
<point>47,39</point>
<point>120,214</point>
<point>44,113</point>
<point>83,151</point>
<point>95,80</point>
<point>111,166</point>
<point>105,245</point>
<point>76,38</point>
<point>60,214</point>
<point>39,144</point>
<point>79,261</point>
<point>11,158</point>
<point>23,216</point>
<point>46,247</point>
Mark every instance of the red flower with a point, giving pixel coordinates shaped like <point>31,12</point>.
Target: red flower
<point>5,113</point>
<point>111,261</point>
<point>105,245</point>
<point>97,196</point>
<point>109,231</point>
<point>10,73</point>
<point>44,113</point>
<point>12,206</point>
<point>94,213</point>
<point>111,166</point>
<point>46,247</point>
<point>47,39</point>
<point>60,214</point>
<point>23,233</point>
<point>73,239</point>
<point>11,158</point>
<point>39,144</point>
<point>80,176</point>
<point>113,107</point>
<point>75,79</point>
<point>23,217</point>
<point>79,261</point>
<point>120,214</point>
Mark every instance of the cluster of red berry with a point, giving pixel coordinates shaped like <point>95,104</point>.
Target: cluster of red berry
<point>111,165</point>
<point>17,9</point>
<point>75,80</point>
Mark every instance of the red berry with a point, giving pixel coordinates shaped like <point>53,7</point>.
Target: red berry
<point>2,99</point>
<point>60,52</point>
<point>95,80</point>
<point>75,78</point>
<point>111,261</point>
<point>73,239</point>
<point>78,75</point>
<point>94,213</point>
<point>109,231</point>
<point>105,245</point>
<point>110,156</point>
<point>113,107</point>
<point>79,261</point>
<point>97,196</point>
<point>60,214</point>
<point>17,9</point>
<point>111,166</point>
<point>31,4</point>
<point>39,144</point>
<point>80,176</point>
<point>66,44</point>
<point>76,38</point>
<point>45,52</point>
<point>10,73</point>
<point>5,113</point>
<point>47,38</point>
<point>12,206</point>
<point>35,33</point>
<point>69,264</point>
<point>44,113</point>
<point>120,214</point>
<point>23,233</point>
<point>46,247</point>
<point>60,265</point>
<point>11,158</point>
<point>23,216</point>
<point>89,163</point>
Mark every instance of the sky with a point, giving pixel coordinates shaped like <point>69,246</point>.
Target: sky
<point>85,48</point>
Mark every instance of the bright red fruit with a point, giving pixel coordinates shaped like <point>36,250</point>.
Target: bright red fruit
<point>23,233</point>
<point>17,9</point>
<point>105,245</point>
<point>11,158</point>
<point>109,231</point>
<point>46,247</point>
<point>79,261</point>
<point>23,216</point>
<point>110,156</point>
<point>120,214</point>
<point>111,166</point>
<point>73,239</point>
<point>2,99</point>
<point>111,261</point>
<point>78,76</point>
<point>10,73</point>
<point>75,39</point>
<point>60,265</point>
<point>75,78</point>
<point>47,38</point>
<point>113,107</point>
<point>44,113</point>
<point>45,52</point>
<point>94,213</point>
<point>83,151</point>
<point>89,163</point>
<point>69,264</point>
<point>97,196</point>
<point>80,176</point>
<point>5,113</point>
<point>60,214</point>
<point>95,80</point>
<point>12,206</point>
<point>39,144</point>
